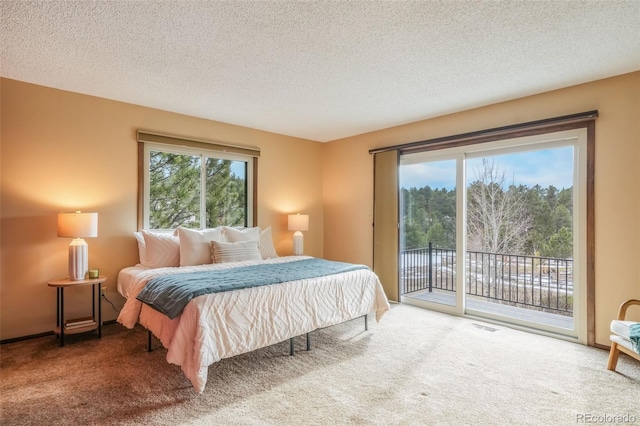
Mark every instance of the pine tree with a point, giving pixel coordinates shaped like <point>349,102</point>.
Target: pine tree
<point>174,185</point>
<point>175,192</point>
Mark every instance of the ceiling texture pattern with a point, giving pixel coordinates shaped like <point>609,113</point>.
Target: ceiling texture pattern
<point>317,70</point>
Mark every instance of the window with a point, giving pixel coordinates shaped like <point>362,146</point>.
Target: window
<point>195,187</point>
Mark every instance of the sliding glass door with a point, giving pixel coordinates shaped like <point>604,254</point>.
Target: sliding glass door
<point>428,205</point>
<point>520,225</point>
<point>498,231</point>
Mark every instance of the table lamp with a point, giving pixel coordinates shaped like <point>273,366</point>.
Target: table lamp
<point>298,222</point>
<point>78,225</point>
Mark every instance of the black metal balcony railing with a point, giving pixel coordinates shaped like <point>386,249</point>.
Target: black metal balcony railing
<point>532,282</point>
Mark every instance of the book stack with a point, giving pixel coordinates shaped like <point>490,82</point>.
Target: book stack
<point>79,322</point>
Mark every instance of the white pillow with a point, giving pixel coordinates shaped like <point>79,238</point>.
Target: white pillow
<point>142,249</point>
<point>234,235</point>
<point>161,249</point>
<point>234,252</point>
<point>267,250</point>
<point>195,247</point>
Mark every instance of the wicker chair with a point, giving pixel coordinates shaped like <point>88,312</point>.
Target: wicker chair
<point>620,336</point>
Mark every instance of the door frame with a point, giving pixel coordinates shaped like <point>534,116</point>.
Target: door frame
<point>584,120</point>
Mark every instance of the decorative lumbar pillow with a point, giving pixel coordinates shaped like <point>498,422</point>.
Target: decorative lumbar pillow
<point>195,248</point>
<point>267,250</point>
<point>234,235</point>
<point>162,250</point>
<point>222,252</point>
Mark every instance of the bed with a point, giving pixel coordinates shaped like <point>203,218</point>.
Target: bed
<point>223,324</point>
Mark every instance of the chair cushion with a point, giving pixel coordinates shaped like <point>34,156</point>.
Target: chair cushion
<point>621,328</point>
<point>621,341</point>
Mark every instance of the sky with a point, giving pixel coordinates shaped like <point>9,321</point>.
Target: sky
<point>542,167</point>
<point>238,168</point>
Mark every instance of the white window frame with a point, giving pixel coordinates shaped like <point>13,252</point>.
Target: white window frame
<point>203,153</point>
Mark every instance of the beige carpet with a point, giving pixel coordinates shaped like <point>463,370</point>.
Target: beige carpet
<point>415,367</point>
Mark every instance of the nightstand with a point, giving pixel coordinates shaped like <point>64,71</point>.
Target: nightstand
<point>80,325</point>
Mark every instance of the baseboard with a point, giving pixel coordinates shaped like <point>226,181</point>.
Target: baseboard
<point>600,346</point>
<point>48,333</point>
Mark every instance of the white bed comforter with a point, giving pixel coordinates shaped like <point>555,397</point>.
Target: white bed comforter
<point>221,325</point>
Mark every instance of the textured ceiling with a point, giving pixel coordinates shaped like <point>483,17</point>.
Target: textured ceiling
<point>317,70</point>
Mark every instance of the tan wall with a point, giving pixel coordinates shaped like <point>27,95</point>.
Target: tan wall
<point>63,151</point>
<point>348,183</point>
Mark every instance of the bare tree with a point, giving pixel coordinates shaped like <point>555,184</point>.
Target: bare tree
<point>497,223</point>
<point>497,218</point>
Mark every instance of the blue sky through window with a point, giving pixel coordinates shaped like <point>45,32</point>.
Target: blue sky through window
<point>542,167</point>
<point>238,168</point>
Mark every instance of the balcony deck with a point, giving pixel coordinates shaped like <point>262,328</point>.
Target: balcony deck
<point>448,298</point>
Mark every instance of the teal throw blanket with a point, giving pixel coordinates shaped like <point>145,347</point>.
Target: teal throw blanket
<point>169,294</point>
<point>634,336</point>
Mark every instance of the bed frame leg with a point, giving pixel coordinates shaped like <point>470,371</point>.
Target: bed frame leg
<point>291,345</point>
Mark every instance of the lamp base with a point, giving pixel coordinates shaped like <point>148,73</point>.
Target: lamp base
<point>298,243</point>
<point>78,259</point>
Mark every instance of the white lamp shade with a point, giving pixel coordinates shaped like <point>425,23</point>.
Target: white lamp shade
<point>77,225</point>
<point>298,222</point>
